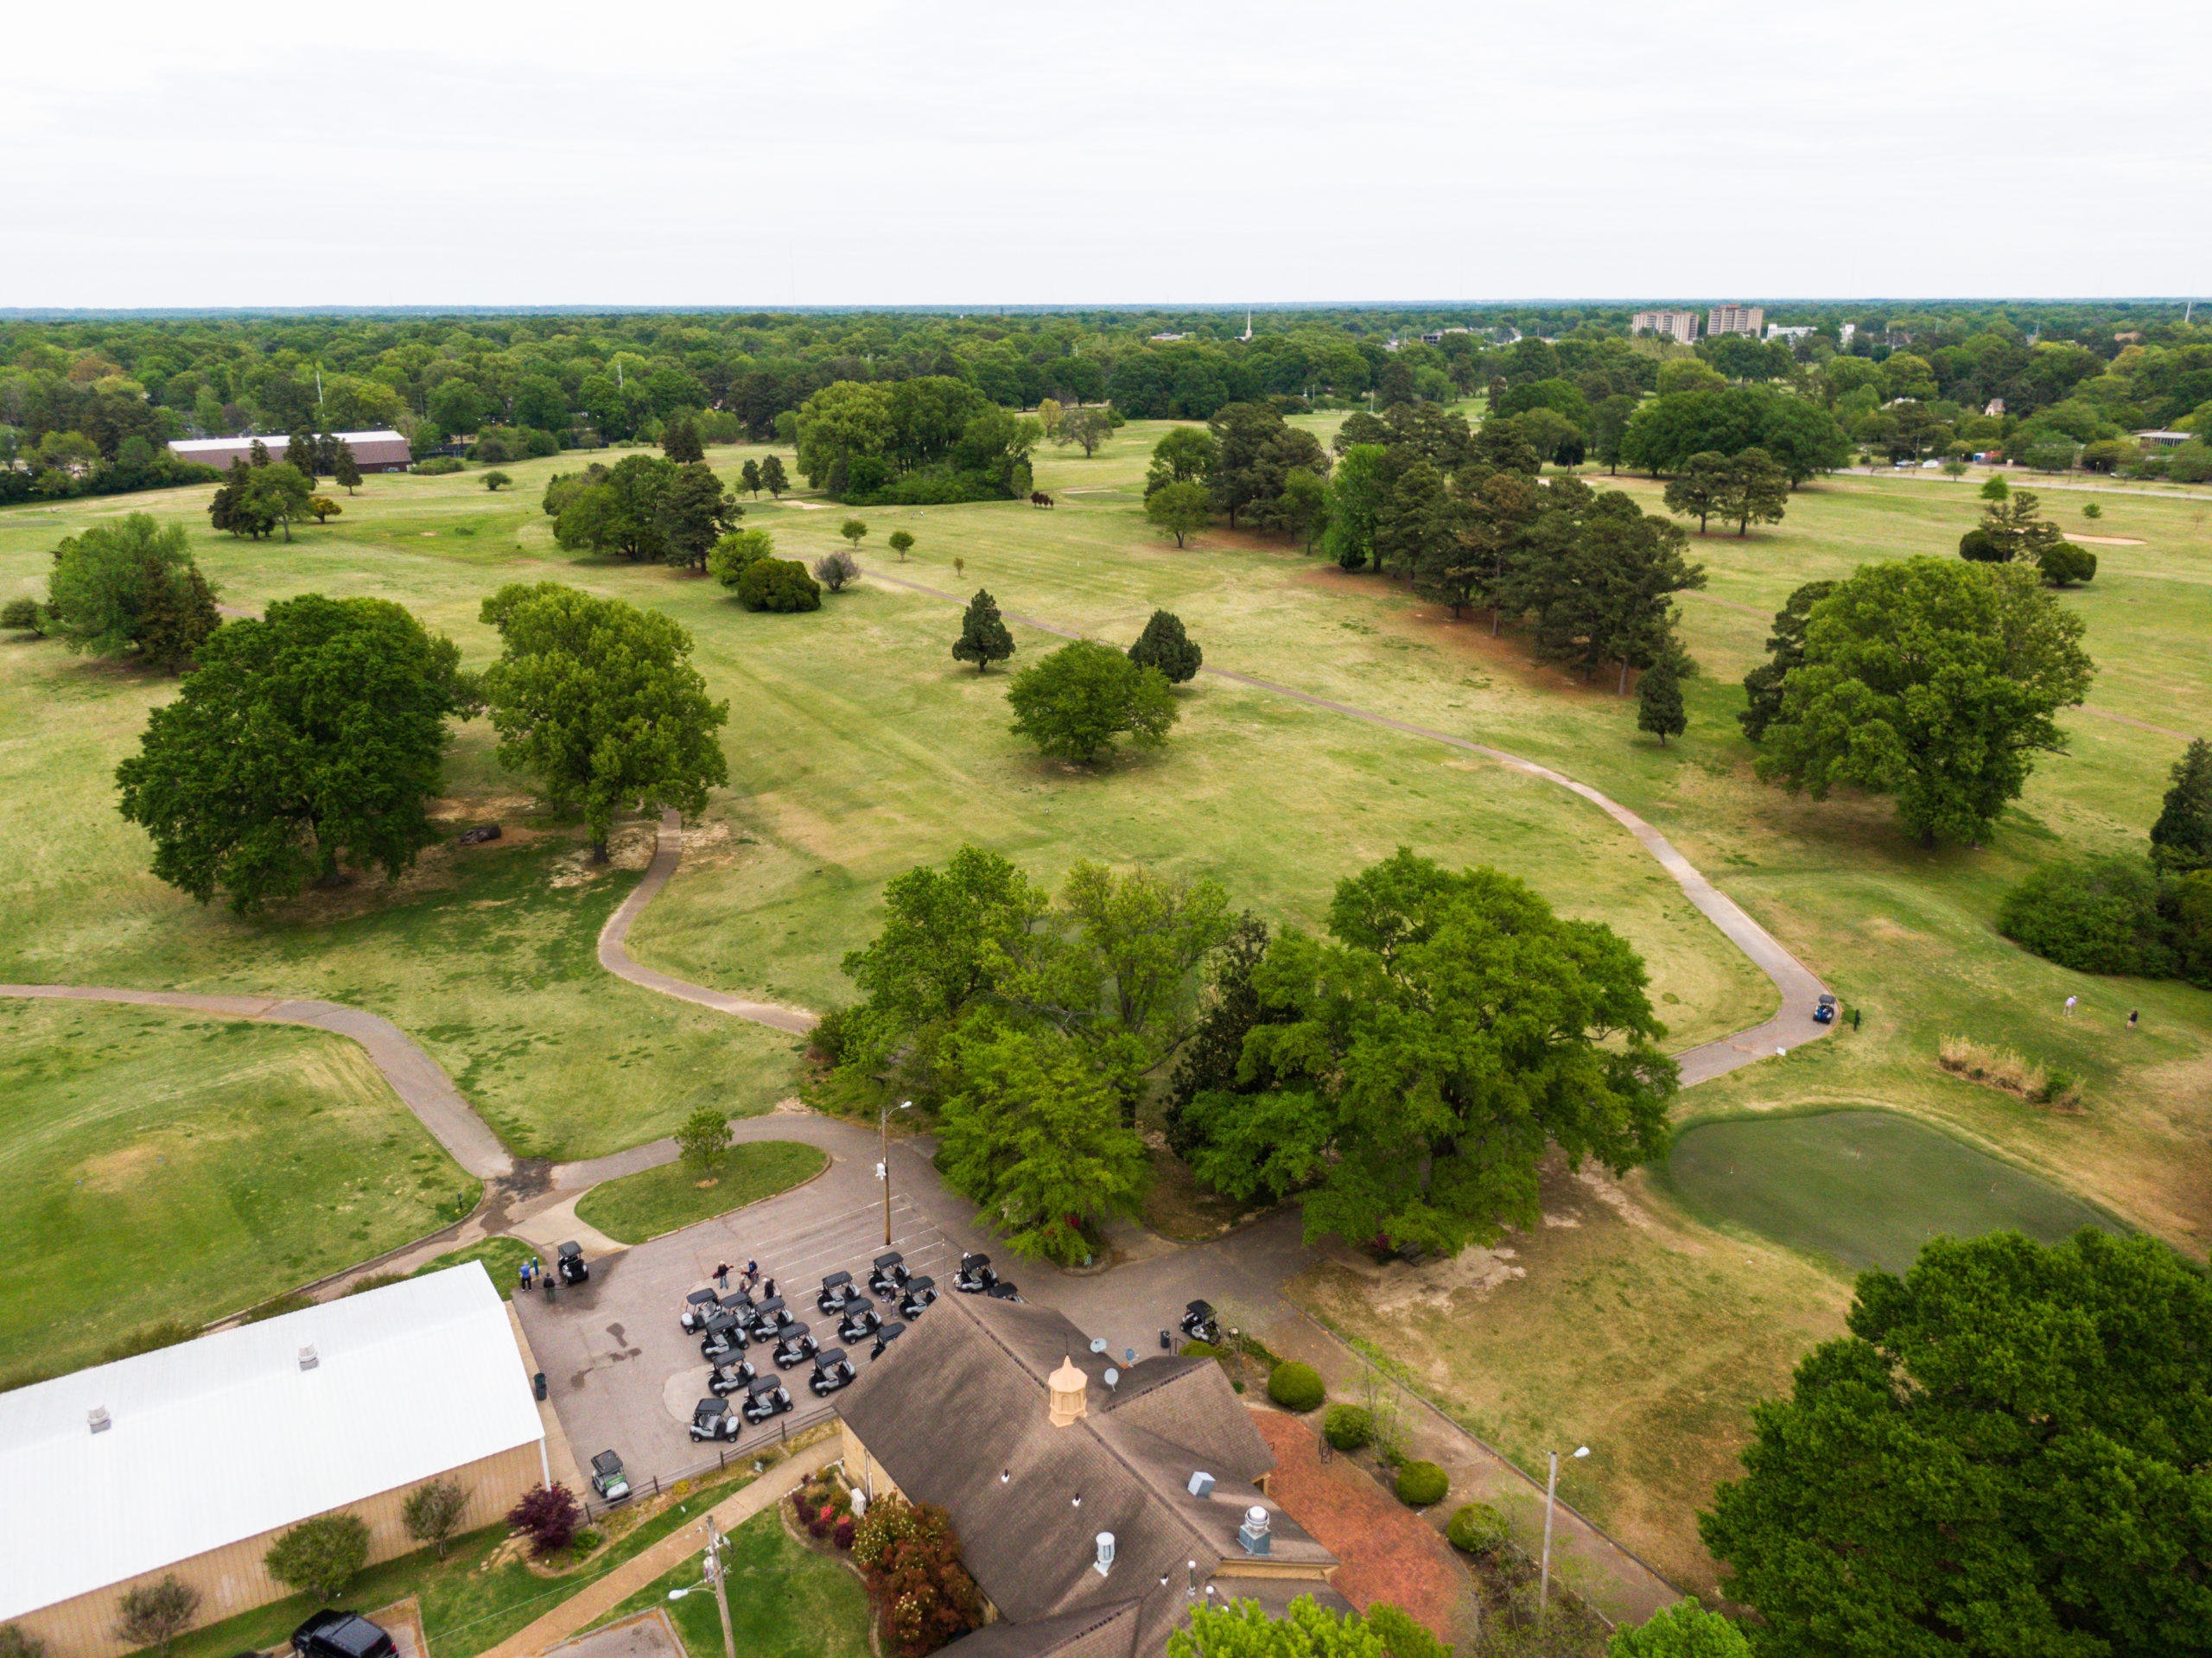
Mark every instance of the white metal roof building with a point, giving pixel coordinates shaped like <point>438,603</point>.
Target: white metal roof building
<point>379,451</point>
<point>189,1459</point>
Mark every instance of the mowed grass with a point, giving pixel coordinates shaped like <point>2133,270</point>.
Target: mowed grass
<point>158,1166</point>
<point>1867,1188</point>
<point>636,1207</point>
<point>785,1601</point>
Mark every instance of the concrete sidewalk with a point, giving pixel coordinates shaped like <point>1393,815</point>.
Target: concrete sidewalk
<point>596,1599</point>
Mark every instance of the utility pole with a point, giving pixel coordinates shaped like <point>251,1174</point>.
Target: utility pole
<point>1544,1572</point>
<point>715,1576</point>
<point>883,1168</point>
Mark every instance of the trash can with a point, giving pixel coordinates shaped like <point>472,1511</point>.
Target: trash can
<point>1167,1342</point>
<point>537,1387</point>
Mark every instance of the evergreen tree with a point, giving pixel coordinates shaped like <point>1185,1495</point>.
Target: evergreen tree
<point>1164,645</point>
<point>300,454</point>
<point>984,638</point>
<point>1414,525</point>
<point>749,477</point>
<point>2181,841</point>
<point>345,471</point>
<point>327,448</point>
<point>1659,701</point>
<point>679,442</point>
<point>772,476</point>
<point>1754,489</point>
<point>1701,487</point>
<point>257,454</point>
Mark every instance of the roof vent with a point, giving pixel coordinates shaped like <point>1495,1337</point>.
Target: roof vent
<point>1105,1560</point>
<point>1201,1484</point>
<point>1253,1533</point>
<point>308,1360</point>
<point>98,1418</point>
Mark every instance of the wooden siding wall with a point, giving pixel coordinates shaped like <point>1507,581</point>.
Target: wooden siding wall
<point>231,1579</point>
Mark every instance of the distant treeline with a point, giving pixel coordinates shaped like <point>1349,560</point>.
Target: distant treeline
<point>86,404</point>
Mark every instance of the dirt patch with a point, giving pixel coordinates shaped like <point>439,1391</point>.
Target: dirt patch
<point>1389,1553</point>
<point>630,847</point>
<point>2109,541</point>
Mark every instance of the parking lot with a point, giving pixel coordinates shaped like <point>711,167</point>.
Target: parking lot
<point>621,1373</point>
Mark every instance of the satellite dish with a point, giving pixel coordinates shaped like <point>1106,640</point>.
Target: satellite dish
<point>1128,1355</point>
<point>1113,1375</point>
<point>1097,1344</point>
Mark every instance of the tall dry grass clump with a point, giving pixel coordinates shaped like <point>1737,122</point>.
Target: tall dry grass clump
<point>2002,1068</point>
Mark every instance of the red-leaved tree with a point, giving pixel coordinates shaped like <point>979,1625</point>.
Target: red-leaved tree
<point>911,1555</point>
<point>548,1517</point>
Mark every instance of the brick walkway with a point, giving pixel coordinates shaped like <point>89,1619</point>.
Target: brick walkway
<point>1389,1553</point>
<point>595,1600</point>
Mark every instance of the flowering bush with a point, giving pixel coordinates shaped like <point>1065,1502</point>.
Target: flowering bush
<point>911,1555</point>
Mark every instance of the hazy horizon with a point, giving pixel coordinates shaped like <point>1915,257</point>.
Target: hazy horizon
<point>979,153</point>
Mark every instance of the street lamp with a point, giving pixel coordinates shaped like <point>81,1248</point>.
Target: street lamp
<point>883,1168</point>
<point>1551,1496</point>
<point>711,1565</point>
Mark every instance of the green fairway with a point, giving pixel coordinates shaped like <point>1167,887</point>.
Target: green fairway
<point>1865,1187</point>
<point>159,1167</point>
<point>639,1206</point>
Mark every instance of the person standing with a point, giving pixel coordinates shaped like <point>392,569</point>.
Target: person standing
<point>2070,1000</point>
<point>2132,1017</point>
<point>522,1276</point>
<point>721,1276</point>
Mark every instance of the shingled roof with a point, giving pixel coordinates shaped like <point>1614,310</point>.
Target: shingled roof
<point>955,1414</point>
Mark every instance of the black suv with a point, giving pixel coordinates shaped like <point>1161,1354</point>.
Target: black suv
<point>341,1635</point>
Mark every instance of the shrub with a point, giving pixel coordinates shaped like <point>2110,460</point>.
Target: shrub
<point>1981,547</point>
<point>2066,563</point>
<point>586,1539</point>
<point>911,1555</point>
<point>1349,1427</point>
<point>154,1614</point>
<point>1200,1351</point>
<point>14,1644</point>
<point>1477,1529</point>
<point>2002,1068</point>
<point>777,584</point>
<point>431,1512</point>
<point>2189,464</point>
<point>439,464</point>
<point>548,1517</point>
<point>837,1032</point>
<point>1296,1387</point>
<point>834,570</point>
<point>1422,1485</point>
<point>21,616</point>
<point>843,1536</point>
<point>2097,917</point>
<point>496,481</point>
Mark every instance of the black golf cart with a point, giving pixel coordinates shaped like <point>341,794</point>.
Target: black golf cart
<point>574,1268</point>
<point>1004,1291</point>
<point>608,1479</point>
<point>712,1419</point>
<point>765,1398</point>
<point>794,1345</point>
<point>884,1337</point>
<point>838,1292</point>
<point>1824,1010</point>
<point>920,1291</point>
<point>698,1306</point>
<point>1200,1324</point>
<point>831,1372</point>
<point>887,1275</point>
<point>724,1339</point>
<point>734,1376</point>
<point>858,1324</point>
<point>975,1276</point>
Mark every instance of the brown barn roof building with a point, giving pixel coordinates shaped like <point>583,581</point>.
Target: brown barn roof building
<point>372,451</point>
<point>1092,1516</point>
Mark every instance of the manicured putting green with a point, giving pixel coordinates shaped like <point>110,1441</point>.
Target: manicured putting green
<point>1866,1187</point>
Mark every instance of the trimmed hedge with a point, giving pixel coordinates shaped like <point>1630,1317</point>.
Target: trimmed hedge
<point>1477,1529</point>
<point>1296,1387</point>
<point>438,466</point>
<point>1200,1351</point>
<point>779,584</point>
<point>1349,1427</point>
<point>1422,1485</point>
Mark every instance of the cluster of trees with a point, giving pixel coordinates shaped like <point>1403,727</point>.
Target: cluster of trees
<point>1931,681</point>
<point>110,392</point>
<point>2006,1454</point>
<point>310,741</point>
<point>919,441</point>
<point>1405,1075</point>
<point>1075,702</point>
<point>2012,532</point>
<point>1665,433</point>
<point>129,588</point>
<point>1744,489</point>
<point>646,507</point>
<point>2150,917</point>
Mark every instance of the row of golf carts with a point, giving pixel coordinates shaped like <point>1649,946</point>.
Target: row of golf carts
<point>729,1325</point>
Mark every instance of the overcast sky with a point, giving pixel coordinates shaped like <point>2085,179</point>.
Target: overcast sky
<point>964,152</point>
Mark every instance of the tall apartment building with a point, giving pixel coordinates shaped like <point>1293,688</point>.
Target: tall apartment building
<point>1735,319</point>
<point>1674,325</point>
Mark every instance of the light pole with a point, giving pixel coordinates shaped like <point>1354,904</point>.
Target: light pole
<point>883,1169</point>
<point>1551,1496</point>
<point>712,1565</point>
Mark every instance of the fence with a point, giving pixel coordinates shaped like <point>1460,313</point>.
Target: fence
<point>793,1424</point>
